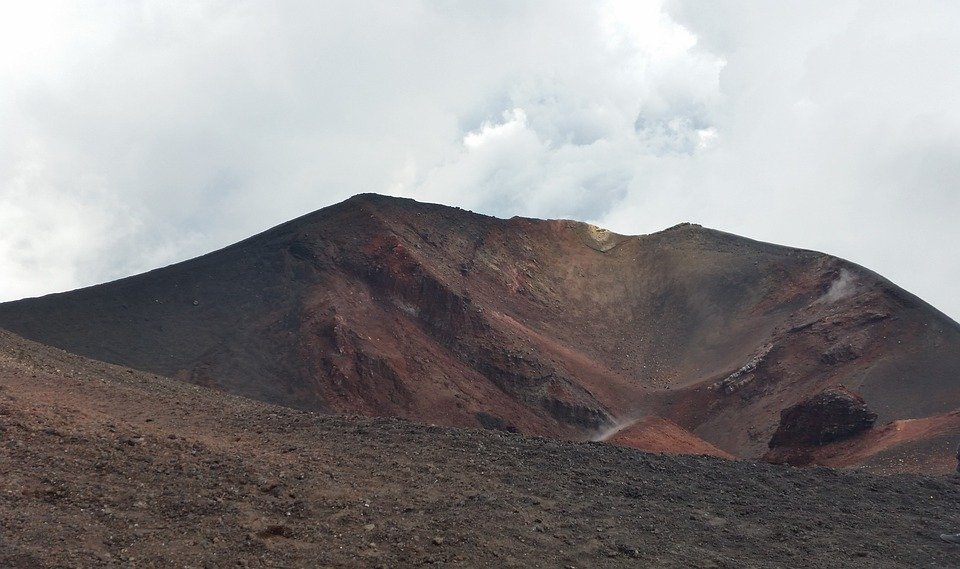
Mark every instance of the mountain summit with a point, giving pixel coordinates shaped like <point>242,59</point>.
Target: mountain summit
<point>388,307</point>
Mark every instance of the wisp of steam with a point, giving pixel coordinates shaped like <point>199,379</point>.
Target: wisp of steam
<point>844,286</point>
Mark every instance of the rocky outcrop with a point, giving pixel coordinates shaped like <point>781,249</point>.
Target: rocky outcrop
<point>831,415</point>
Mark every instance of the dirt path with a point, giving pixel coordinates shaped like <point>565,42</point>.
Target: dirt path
<point>100,466</point>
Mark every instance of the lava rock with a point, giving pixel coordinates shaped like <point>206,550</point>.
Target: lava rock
<point>831,415</point>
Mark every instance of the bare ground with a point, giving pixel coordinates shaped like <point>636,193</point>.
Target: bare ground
<point>103,466</point>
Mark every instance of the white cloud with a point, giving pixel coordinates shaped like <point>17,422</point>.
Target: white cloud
<point>838,131</point>
<point>140,133</point>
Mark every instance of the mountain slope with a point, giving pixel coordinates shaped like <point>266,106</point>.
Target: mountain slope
<point>385,306</point>
<point>101,466</point>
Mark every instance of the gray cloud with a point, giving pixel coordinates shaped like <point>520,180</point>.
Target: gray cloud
<point>142,133</point>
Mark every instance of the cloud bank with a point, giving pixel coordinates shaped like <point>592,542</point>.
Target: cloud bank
<point>137,134</point>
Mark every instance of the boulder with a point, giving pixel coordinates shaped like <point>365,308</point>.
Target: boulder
<point>833,414</point>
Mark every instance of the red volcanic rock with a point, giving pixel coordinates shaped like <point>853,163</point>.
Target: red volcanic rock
<point>655,434</point>
<point>829,416</point>
<point>384,306</point>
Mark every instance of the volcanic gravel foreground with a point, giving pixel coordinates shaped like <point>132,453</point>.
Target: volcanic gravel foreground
<point>102,466</point>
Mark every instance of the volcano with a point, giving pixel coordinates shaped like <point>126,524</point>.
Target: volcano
<point>384,306</point>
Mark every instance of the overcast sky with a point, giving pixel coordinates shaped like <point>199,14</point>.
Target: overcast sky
<point>134,134</point>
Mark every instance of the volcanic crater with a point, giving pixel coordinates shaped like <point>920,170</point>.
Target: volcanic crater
<point>688,340</point>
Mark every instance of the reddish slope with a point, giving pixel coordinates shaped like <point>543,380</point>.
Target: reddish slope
<point>653,434</point>
<point>909,445</point>
<point>101,466</point>
<point>385,306</point>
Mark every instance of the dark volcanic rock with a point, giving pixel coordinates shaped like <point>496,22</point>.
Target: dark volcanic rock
<point>831,415</point>
<point>383,306</point>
